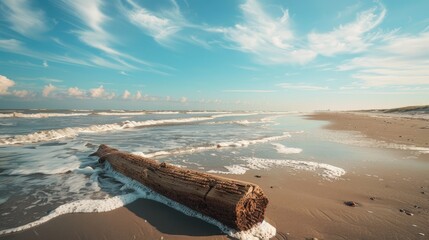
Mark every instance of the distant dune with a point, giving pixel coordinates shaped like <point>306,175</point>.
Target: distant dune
<point>424,109</point>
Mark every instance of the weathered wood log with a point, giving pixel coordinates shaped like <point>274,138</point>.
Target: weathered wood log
<point>237,204</point>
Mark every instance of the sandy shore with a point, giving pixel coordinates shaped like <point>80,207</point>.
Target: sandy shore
<point>302,205</point>
<point>386,127</point>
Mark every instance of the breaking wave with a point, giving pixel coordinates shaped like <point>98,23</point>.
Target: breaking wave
<point>49,135</point>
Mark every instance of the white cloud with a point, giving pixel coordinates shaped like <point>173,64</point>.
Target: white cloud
<point>97,92</point>
<point>270,39</point>
<point>162,26</point>
<point>22,93</point>
<point>100,92</point>
<point>402,60</point>
<point>76,92</point>
<point>301,87</point>
<point>183,99</point>
<point>168,98</point>
<point>348,38</point>
<point>126,94</point>
<point>249,91</point>
<point>138,95</point>
<point>45,64</point>
<point>24,18</point>
<point>48,89</point>
<point>5,84</point>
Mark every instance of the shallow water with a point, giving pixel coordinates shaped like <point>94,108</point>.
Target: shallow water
<point>42,170</point>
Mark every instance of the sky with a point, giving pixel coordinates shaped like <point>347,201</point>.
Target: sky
<point>276,55</point>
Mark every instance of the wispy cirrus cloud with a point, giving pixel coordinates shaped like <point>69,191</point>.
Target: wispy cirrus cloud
<point>352,37</point>
<point>162,25</point>
<point>23,17</point>
<point>270,39</point>
<point>17,47</point>
<point>402,60</point>
<point>90,15</point>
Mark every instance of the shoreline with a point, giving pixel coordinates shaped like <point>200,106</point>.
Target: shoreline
<point>385,127</point>
<point>302,205</point>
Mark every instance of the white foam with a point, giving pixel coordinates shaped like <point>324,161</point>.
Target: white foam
<point>286,150</point>
<point>260,231</point>
<point>231,144</point>
<point>233,169</point>
<point>40,115</point>
<point>165,112</point>
<point>234,115</point>
<point>48,163</point>
<point>205,112</point>
<point>80,206</point>
<point>49,135</point>
<point>119,113</point>
<point>327,171</point>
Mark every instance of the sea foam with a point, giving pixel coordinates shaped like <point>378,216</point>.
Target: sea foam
<point>261,231</point>
<point>208,147</point>
<point>55,134</point>
<point>286,150</point>
<point>328,172</point>
<point>40,115</point>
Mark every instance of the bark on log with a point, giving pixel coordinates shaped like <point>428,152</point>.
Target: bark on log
<point>237,204</point>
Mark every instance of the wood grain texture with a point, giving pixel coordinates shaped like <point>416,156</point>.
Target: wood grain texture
<point>237,204</point>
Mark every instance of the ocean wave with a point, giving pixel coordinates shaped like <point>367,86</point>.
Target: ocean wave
<point>40,115</point>
<point>235,114</point>
<point>260,231</point>
<point>164,112</point>
<point>207,147</point>
<point>48,164</point>
<point>286,150</point>
<point>328,172</point>
<point>119,113</point>
<point>49,135</point>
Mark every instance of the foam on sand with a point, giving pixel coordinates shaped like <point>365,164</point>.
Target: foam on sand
<point>55,134</point>
<point>260,231</point>
<point>285,150</point>
<point>80,206</point>
<point>207,147</point>
<point>327,171</point>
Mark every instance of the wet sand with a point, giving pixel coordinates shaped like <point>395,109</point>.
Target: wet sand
<point>302,204</point>
<point>394,128</point>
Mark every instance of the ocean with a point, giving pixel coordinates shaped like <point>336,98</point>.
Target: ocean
<point>46,171</point>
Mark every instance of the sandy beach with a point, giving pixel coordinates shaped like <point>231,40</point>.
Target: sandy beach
<point>391,193</point>
<point>396,128</point>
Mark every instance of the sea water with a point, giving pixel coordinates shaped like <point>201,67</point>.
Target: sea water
<point>45,170</point>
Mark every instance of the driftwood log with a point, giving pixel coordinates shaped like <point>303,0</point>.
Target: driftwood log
<point>237,204</point>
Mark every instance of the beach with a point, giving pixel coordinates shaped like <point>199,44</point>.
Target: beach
<point>331,158</point>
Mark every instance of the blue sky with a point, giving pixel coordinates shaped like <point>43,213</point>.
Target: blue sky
<point>224,54</point>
